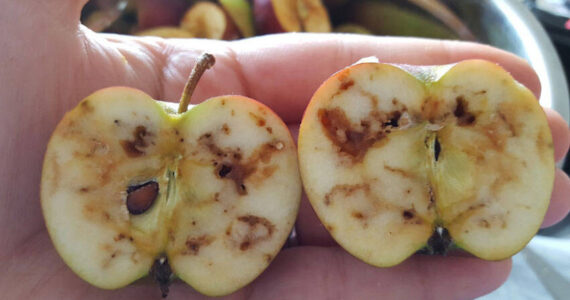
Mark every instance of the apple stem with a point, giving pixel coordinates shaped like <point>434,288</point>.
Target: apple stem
<point>205,61</point>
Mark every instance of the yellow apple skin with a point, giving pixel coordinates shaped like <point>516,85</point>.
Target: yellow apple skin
<point>367,153</point>
<point>217,235</point>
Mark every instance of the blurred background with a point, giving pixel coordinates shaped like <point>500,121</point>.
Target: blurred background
<point>537,30</point>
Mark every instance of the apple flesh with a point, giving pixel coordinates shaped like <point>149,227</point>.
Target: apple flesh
<point>397,158</point>
<point>131,187</point>
<point>274,16</point>
<point>209,20</point>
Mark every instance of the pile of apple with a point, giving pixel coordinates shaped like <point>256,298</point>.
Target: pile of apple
<point>234,19</point>
<point>392,158</point>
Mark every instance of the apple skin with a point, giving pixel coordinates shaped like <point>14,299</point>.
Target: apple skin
<point>378,184</point>
<point>203,226</point>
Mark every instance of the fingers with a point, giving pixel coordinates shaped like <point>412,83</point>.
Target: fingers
<point>331,273</point>
<point>284,70</point>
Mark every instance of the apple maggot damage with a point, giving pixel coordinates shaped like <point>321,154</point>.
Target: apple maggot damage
<point>392,164</point>
<point>208,196</point>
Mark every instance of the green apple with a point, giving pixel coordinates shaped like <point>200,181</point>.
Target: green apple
<point>385,18</point>
<point>130,186</point>
<point>242,15</point>
<point>352,28</point>
<point>394,158</point>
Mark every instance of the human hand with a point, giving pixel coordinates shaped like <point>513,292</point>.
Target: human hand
<point>49,63</point>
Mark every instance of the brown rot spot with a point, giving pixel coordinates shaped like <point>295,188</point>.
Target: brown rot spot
<point>119,237</point>
<point>408,214</point>
<point>230,164</point>
<point>433,110</point>
<point>512,128</point>
<point>260,121</point>
<point>224,170</point>
<point>431,194</point>
<point>117,122</point>
<point>357,215</point>
<point>135,147</point>
<point>237,173</point>
<point>268,258</point>
<point>484,223</point>
<point>344,191</point>
<point>244,245</point>
<point>464,117</point>
<point>269,129</point>
<point>226,129</point>
<point>352,141</point>
<point>398,171</point>
<point>253,229</point>
<point>345,85</point>
<point>194,244</point>
<point>84,190</point>
<point>393,119</point>
<point>141,197</point>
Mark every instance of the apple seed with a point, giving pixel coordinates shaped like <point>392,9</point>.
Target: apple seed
<point>141,197</point>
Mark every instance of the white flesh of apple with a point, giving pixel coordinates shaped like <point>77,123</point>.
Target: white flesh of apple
<point>217,235</point>
<point>313,15</point>
<point>367,158</point>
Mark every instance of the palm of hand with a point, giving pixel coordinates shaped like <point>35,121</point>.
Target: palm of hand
<point>47,71</point>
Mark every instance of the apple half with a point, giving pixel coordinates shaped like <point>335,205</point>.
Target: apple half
<point>397,158</point>
<point>275,16</point>
<point>129,187</point>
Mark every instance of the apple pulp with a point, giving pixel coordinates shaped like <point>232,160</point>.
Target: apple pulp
<point>393,157</point>
<point>222,177</point>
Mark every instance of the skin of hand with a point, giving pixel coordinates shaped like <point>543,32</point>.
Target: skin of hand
<point>49,62</point>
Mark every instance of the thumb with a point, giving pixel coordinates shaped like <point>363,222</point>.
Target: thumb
<point>36,18</point>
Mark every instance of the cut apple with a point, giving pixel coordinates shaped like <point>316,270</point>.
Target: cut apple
<point>242,15</point>
<point>209,20</point>
<point>393,158</point>
<point>274,16</point>
<point>131,187</point>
